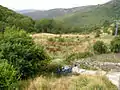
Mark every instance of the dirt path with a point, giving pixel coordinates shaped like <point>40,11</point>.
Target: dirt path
<point>114,78</point>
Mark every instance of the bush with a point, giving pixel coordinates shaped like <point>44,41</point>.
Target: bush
<point>99,47</point>
<point>61,39</point>
<point>52,68</point>
<point>97,34</point>
<point>52,39</point>
<point>7,75</point>
<point>74,56</point>
<point>18,48</point>
<point>115,45</point>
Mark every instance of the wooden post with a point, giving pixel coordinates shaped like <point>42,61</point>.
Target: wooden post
<point>116,31</point>
<point>117,26</point>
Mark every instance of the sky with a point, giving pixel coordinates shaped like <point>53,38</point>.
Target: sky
<point>47,4</point>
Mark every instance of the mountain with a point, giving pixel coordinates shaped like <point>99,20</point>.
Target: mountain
<point>82,16</point>
<point>25,11</point>
<point>9,18</point>
<point>39,14</point>
<point>97,15</point>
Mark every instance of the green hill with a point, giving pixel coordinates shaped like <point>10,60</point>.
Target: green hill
<point>52,13</point>
<point>95,16</point>
<point>11,18</point>
<point>82,16</point>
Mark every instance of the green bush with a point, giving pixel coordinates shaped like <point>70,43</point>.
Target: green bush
<point>52,39</point>
<point>18,48</point>
<point>61,39</point>
<point>97,34</point>
<point>100,47</point>
<point>115,45</point>
<point>7,75</point>
<point>52,68</point>
<point>74,56</point>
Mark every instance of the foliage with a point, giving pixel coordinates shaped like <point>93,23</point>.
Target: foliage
<point>77,56</point>
<point>7,75</point>
<point>101,15</point>
<point>115,45</point>
<point>60,27</point>
<point>52,68</point>
<point>44,25</point>
<point>52,39</point>
<point>11,18</point>
<point>97,34</point>
<point>17,47</point>
<point>80,82</point>
<point>100,47</point>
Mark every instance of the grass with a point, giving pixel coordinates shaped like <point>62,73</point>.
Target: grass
<point>81,82</point>
<point>61,46</point>
<point>105,58</point>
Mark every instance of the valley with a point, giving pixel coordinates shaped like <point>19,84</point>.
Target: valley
<point>36,47</point>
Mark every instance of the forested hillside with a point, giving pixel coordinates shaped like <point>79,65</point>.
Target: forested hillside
<point>39,14</point>
<point>87,16</point>
<point>81,20</point>
<point>97,15</point>
<point>11,18</point>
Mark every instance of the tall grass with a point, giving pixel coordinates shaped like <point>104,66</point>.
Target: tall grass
<point>81,82</point>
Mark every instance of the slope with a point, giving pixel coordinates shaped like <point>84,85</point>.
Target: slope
<point>82,16</point>
<point>38,14</point>
<point>11,18</point>
<point>96,16</point>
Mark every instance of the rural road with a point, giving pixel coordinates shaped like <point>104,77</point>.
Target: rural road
<point>114,78</point>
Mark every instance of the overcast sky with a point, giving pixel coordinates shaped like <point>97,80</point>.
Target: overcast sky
<point>48,4</point>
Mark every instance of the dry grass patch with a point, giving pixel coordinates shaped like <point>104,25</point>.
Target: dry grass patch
<point>82,82</point>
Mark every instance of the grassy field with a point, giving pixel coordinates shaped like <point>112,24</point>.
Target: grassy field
<point>61,46</point>
<point>81,82</point>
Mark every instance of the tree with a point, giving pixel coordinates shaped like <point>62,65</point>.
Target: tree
<point>18,48</point>
<point>11,18</point>
<point>97,33</point>
<point>45,25</point>
<point>115,45</point>
<point>106,23</point>
<point>7,75</point>
<point>100,47</point>
<point>2,26</point>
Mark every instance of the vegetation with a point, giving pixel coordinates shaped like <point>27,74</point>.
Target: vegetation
<point>100,48</point>
<point>97,34</point>
<point>115,45</point>
<point>81,82</point>
<point>26,55</point>
<point>17,47</point>
<point>96,15</point>
<point>10,18</point>
<point>78,56</point>
<point>8,74</point>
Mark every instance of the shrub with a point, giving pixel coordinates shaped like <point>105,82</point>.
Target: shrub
<point>7,75</point>
<point>18,48</point>
<point>115,45</point>
<point>51,39</point>
<point>74,56</point>
<point>97,34</point>
<point>61,39</point>
<point>99,47</point>
<point>52,68</point>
